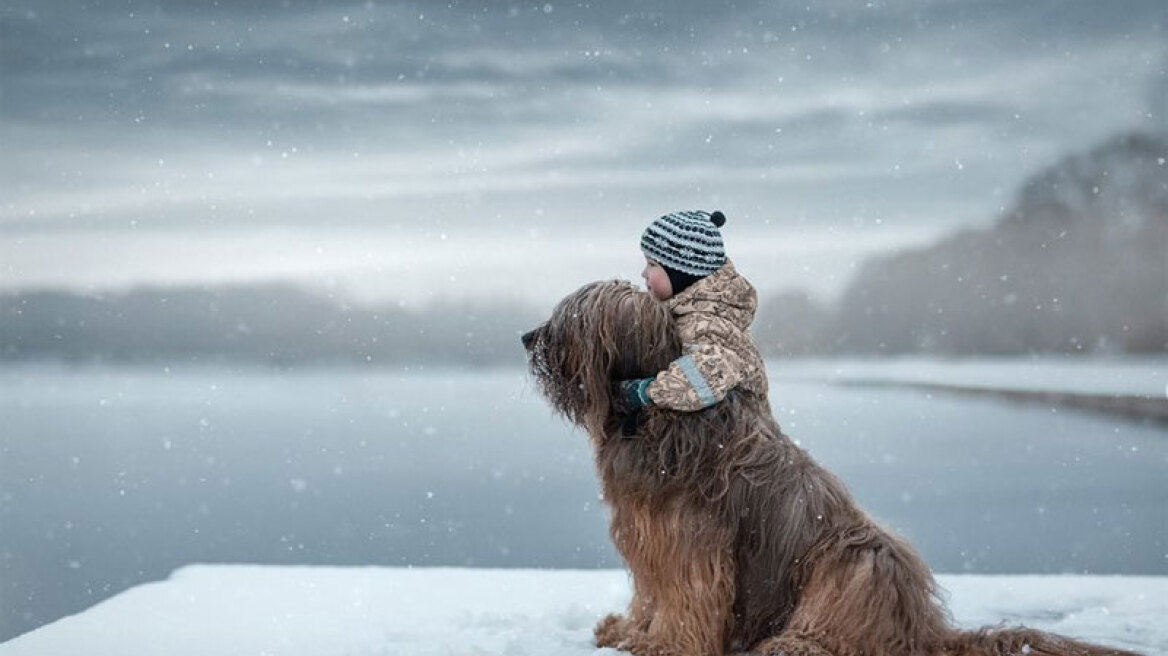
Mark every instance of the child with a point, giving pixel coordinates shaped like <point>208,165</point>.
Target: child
<point>687,269</point>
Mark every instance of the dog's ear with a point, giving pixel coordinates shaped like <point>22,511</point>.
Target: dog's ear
<point>646,342</point>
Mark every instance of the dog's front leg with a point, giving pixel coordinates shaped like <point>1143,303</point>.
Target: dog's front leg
<point>614,629</point>
<point>691,611</point>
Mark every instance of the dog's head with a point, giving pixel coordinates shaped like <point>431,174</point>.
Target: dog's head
<point>602,333</point>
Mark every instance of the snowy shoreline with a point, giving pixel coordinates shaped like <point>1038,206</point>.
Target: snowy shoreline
<point>321,611</point>
<point>1138,407</point>
<point>1128,376</point>
<point>1134,389</point>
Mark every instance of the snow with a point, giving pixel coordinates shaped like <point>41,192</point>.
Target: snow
<point>1147,376</point>
<point>322,611</point>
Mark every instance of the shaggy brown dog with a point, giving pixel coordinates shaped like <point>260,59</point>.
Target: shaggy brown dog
<point>734,537</point>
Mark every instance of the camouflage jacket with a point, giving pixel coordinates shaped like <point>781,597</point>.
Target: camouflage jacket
<point>713,320</point>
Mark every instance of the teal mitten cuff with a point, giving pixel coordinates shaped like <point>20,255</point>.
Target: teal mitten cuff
<point>636,392</point>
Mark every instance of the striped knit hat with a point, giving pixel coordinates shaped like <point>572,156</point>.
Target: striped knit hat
<point>687,242</point>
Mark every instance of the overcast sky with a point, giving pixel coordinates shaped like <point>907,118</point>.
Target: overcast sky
<point>423,150</point>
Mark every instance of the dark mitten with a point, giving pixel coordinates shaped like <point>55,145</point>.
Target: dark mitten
<point>629,399</point>
<point>634,392</point>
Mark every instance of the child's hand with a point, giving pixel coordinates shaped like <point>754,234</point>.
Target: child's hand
<point>628,400</point>
<point>634,392</point>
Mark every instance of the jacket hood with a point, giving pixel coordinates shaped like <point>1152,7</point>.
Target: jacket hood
<point>723,293</point>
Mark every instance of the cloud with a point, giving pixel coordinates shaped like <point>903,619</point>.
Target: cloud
<point>215,124</point>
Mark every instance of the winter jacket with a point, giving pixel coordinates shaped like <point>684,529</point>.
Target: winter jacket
<point>713,320</point>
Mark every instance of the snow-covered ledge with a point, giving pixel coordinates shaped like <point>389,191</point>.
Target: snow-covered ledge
<point>224,610</point>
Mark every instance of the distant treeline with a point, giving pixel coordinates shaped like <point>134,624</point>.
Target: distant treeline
<point>1079,264</point>
<point>277,324</point>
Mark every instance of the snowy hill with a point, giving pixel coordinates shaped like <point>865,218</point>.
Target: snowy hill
<point>224,610</point>
<point>1075,264</point>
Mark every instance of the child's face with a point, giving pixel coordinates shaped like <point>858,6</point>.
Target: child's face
<point>656,280</point>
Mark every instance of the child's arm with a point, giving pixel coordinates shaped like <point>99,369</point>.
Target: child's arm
<point>696,380</point>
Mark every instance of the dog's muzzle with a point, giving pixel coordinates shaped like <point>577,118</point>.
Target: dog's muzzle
<point>528,338</point>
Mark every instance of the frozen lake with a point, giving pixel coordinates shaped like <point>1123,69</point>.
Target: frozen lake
<point>114,476</point>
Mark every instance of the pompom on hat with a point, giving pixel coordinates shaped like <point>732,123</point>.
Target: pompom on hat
<point>687,245</point>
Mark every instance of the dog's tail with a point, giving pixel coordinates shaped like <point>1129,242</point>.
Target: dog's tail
<point>1023,642</point>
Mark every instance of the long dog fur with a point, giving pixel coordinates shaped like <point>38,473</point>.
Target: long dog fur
<point>735,539</point>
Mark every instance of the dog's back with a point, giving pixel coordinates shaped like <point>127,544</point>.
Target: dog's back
<point>797,530</point>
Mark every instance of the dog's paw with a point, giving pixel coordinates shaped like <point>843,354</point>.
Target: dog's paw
<point>640,644</point>
<point>790,646</point>
<point>611,630</point>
